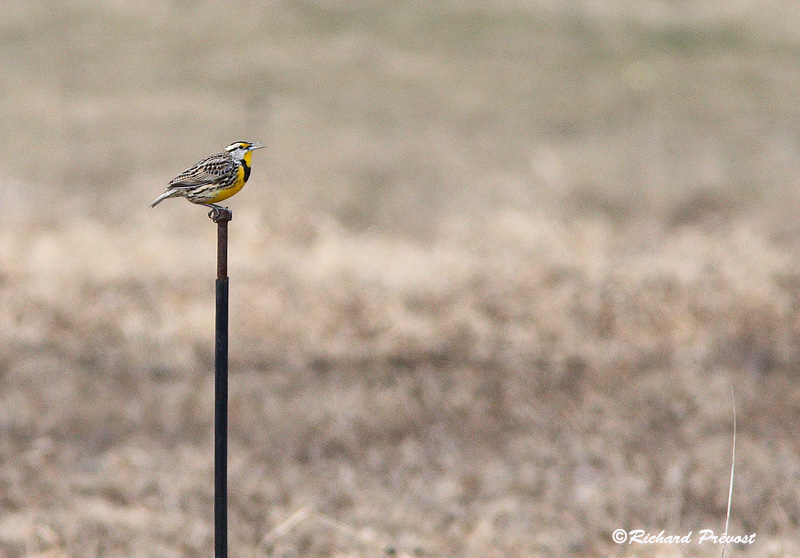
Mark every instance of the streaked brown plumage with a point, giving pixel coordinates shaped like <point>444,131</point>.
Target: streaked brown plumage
<point>214,178</point>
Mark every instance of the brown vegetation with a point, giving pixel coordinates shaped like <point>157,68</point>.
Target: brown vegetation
<point>490,283</point>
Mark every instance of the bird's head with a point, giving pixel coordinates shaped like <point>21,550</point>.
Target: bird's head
<point>239,149</point>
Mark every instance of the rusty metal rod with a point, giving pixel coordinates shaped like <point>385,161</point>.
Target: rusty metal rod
<point>221,218</point>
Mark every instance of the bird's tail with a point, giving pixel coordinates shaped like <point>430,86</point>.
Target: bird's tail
<point>162,197</point>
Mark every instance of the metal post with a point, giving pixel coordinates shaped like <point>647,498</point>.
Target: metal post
<point>221,218</point>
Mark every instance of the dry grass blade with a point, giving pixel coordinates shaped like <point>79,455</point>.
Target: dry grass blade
<point>284,527</point>
<point>733,466</point>
<point>307,514</point>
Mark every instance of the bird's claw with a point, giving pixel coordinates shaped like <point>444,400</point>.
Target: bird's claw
<point>219,213</point>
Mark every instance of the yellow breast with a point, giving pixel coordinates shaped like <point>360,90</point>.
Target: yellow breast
<point>233,188</point>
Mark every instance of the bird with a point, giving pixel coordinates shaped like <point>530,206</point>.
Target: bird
<point>213,179</point>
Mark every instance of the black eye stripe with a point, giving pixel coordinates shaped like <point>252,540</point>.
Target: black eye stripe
<point>238,145</point>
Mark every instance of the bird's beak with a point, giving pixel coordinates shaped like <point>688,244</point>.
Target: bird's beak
<point>256,146</point>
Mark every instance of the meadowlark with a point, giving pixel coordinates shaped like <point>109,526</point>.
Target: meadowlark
<point>213,179</point>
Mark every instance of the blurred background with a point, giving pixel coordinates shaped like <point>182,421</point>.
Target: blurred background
<point>491,282</point>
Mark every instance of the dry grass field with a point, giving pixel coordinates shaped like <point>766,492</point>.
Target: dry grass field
<point>491,282</point>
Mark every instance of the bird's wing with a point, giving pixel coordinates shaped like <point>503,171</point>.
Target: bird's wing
<point>207,171</point>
